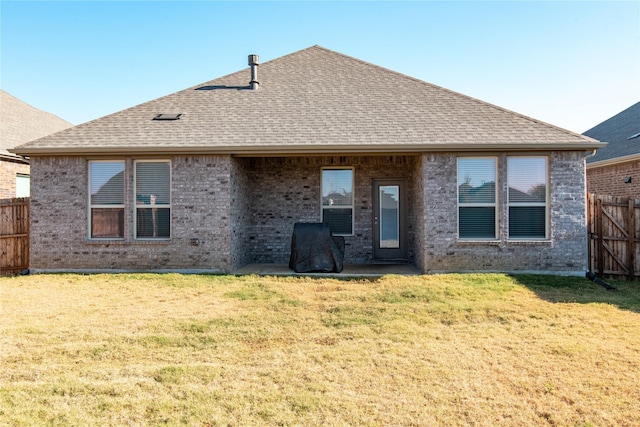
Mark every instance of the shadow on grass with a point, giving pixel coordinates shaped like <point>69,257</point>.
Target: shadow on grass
<point>563,289</point>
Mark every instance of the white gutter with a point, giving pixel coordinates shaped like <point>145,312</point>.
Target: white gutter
<point>14,157</point>
<point>304,149</point>
<point>614,161</point>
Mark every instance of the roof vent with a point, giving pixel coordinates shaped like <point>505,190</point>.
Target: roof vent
<point>167,117</point>
<point>635,135</point>
<point>254,61</point>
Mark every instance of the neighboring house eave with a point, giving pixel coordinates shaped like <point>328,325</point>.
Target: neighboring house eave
<point>14,158</point>
<point>301,149</point>
<point>614,161</point>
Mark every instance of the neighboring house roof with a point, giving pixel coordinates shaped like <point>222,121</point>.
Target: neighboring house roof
<point>311,101</point>
<point>622,133</point>
<point>20,123</point>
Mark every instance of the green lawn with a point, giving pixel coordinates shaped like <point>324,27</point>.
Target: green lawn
<point>448,350</point>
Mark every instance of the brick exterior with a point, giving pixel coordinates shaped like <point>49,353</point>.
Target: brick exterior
<point>240,215</point>
<point>610,180</point>
<point>8,171</point>
<point>200,203</point>
<point>242,211</point>
<point>564,252</point>
<point>418,205</point>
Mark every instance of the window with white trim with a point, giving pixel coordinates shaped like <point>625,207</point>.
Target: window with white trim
<point>106,199</point>
<point>477,219</point>
<point>527,178</point>
<point>152,184</point>
<point>337,200</point>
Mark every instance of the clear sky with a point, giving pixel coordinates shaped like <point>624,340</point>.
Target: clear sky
<point>573,64</point>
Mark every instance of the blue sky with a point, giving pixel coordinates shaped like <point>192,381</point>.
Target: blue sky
<point>572,64</point>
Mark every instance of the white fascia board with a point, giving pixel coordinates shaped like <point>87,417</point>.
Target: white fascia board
<point>614,161</point>
<point>304,149</point>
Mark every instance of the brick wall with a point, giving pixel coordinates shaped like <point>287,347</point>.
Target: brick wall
<point>201,200</point>
<point>8,171</point>
<point>199,210</point>
<point>610,180</point>
<point>286,190</point>
<point>565,251</point>
<point>229,212</point>
<point>240,215</point>
<point>418,205</point>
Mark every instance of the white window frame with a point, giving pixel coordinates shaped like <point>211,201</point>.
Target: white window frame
<point>544,204</point>
<point>353,196</point>
<point>99,206</point>
<point>494,205</point>
<point>137,206</point>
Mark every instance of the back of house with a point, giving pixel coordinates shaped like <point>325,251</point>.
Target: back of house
<point>214,177</point>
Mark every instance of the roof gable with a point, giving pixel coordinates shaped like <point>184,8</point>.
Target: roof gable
<point>311,101</point>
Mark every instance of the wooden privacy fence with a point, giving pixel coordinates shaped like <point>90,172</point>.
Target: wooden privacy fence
<point>14,236</point>
<point>614,236</point>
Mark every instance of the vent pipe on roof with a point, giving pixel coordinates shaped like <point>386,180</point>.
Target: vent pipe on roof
<point>254,61</point>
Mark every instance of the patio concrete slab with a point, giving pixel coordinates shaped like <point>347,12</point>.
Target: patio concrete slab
<point>349,270</point>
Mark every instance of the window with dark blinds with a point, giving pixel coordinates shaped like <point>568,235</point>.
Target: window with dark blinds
<point>337,200</point>
<point>477,197</point>
<point>527,179</point>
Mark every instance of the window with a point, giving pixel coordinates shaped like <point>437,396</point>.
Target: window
<point>106,192</point>
<point>337,200</point>
<point>527,178</point>
<point>22,185</point>
<point>477,198</point>
<point>153,199</point>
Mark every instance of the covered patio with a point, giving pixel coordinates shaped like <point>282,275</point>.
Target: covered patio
<point>349,270</point>
<point>271,194</point>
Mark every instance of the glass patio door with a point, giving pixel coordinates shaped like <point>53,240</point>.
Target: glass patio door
<point>389,220</point>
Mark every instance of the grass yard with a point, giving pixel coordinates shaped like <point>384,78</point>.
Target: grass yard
<point>441,350</point>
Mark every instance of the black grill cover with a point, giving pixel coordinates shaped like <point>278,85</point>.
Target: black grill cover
<point>314,249</point>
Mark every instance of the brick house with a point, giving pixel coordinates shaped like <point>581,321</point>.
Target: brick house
<point>20,123</point>
<point>615,169</point>
<point>213,177</point>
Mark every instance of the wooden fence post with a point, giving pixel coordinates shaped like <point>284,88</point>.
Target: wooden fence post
<point>631,247</point>
<point>589,232</point>
<point>599,247</point>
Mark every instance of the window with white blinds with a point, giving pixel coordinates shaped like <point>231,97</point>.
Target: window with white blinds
<point>106,204</point>
<point>152,182</point>
<point>527,178</point>
<point>477,205</point>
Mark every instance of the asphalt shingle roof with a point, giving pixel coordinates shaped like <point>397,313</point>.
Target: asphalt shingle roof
<point>21,123</point>
<point>311,101</point>
<point>616,131</point>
